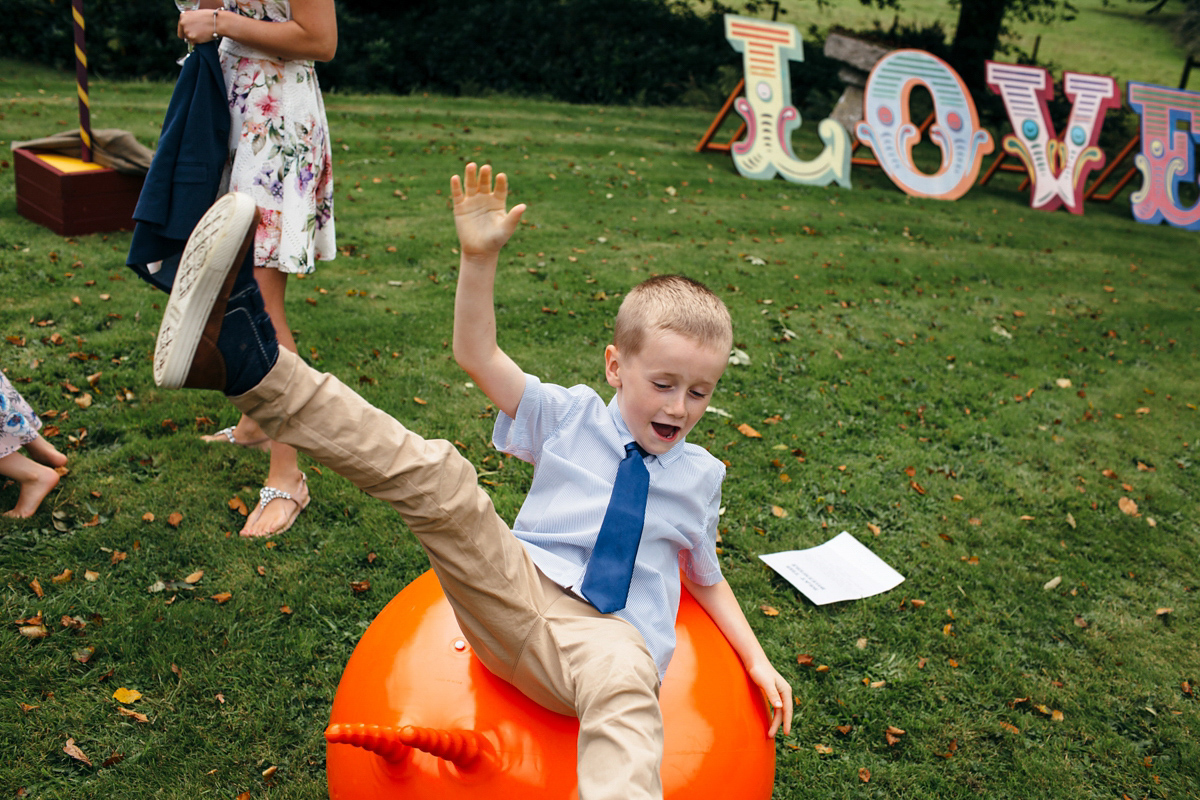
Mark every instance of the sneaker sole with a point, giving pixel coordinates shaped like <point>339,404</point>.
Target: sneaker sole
<point>217,244</point>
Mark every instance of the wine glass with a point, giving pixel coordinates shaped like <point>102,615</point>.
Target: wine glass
<point>186,5</point>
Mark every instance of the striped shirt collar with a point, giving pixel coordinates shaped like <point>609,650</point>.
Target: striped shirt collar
<point>666,459</point>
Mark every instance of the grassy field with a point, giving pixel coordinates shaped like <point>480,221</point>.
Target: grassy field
<point>1134,46</point>
<point>1001,403</point>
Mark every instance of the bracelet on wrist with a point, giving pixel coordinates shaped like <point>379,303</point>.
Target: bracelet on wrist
<point>215,34</point>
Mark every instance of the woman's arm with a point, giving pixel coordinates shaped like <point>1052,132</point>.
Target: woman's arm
<point>721,604</point>
<point>311,33</point>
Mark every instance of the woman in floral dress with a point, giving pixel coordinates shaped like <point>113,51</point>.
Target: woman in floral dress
<point>19,428</point>
<point>280,155</point>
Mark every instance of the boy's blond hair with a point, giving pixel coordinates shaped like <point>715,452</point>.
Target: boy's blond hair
<point>672,303</point>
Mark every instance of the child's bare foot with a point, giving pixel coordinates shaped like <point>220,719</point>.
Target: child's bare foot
<point>43,452</point>
<point>246,433</point>
<point>36,482</point>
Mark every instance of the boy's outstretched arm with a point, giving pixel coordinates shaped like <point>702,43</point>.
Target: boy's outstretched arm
<point>721,604</point>
<point>483,227</point>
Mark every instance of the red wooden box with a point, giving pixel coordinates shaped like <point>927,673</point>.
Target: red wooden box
<point>71,197</point>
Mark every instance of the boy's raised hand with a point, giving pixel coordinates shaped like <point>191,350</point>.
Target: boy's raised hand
<point>479,216</point>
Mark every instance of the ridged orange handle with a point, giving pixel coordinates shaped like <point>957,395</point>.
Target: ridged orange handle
<point>461,748</point>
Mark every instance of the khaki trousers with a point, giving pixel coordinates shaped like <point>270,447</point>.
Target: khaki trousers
<point>556,649</point>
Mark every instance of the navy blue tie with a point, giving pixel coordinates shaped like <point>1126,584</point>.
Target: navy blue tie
<point>606,581</point>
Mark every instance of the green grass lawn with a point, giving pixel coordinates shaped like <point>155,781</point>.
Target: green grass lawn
<point>976,391</point>
<point>1109,37</point>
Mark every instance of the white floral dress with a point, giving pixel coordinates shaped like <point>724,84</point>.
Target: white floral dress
<point>279,148</point>
<point>18,424</point>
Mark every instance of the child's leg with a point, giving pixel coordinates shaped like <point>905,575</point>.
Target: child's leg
<point>598,666</point>
<point>487,576</point>
<point>45,453</point>
<point>35,480</point>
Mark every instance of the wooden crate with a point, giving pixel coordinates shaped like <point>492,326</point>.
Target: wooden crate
<point>71,197</point>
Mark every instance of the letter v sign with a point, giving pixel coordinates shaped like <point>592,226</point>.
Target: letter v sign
<point>1058,167</point>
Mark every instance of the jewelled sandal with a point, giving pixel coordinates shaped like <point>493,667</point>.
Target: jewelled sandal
<point>269,493</point>
<point>263,444</point>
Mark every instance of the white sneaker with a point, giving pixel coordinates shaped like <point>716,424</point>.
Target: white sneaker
<point>213,253</point>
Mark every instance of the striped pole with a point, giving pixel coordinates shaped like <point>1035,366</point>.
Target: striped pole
<point>81,82</point>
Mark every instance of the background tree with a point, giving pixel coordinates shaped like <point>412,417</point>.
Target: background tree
<point>982,24</point>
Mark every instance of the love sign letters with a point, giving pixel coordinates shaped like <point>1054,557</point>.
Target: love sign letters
<point>1058,165</point>
<point>770,117</point>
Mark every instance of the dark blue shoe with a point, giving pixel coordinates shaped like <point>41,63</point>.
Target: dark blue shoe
<point>209,339</point>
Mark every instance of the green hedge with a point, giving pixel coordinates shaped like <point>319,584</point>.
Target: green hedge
<point>597,51</point>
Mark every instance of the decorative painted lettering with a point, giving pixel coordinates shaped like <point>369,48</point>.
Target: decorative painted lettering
<point>887,129</point>
<point>770,117</point>
<point>1166,159</point>
<point>1058,166</point>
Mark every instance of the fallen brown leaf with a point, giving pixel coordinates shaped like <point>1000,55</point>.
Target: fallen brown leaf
<point>864,774</point>
<point>823,749</point>
<point>33,631</point>
<point>1127,506</point>
<point>770,611</point>
<point>175,519</point>
<point>746,430</point>
<point>75,753</point>
<point>194,577</point>
<point>222,597</point>
<point>37,588</point>
<point>63,577</point>
<point>129,712</point>
<point>360,586</point>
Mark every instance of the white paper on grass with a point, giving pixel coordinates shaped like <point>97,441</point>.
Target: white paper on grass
<point>840,569</point>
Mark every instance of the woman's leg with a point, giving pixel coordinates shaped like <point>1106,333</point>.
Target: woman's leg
<point>284,473</point>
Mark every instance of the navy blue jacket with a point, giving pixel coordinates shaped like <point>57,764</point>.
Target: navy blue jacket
<point>185,175</point>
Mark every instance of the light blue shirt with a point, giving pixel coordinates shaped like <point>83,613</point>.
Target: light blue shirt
<point>575,442</point>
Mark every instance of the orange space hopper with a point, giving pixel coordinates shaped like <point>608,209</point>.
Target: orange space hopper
<point>418,717</point>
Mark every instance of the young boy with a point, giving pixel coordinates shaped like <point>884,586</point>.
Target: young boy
<point>534,611</point>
